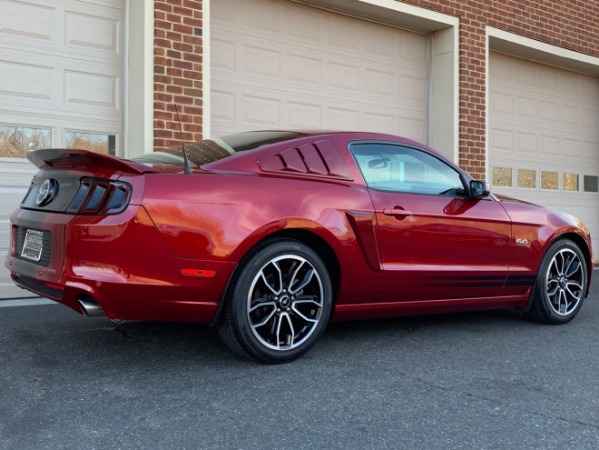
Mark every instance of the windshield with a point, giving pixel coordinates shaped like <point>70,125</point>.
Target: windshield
<point>210,150</point>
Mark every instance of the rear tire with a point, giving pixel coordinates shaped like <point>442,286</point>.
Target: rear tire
<point>561,284</point>
<point>279,304</point>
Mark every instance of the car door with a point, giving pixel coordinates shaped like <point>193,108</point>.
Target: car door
<point>434,241</point>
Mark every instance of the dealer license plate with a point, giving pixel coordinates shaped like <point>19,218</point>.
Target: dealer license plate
<point>33,245</point>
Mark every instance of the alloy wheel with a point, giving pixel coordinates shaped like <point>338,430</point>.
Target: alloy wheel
<point>285,302</point>
<point>565,281</point>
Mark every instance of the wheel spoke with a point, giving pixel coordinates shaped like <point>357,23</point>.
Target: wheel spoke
<point>264,277</point>
<point>259,302</point>
<point>557,264</point>
<point>551,290</point>
<point>267,318</point>
<point>576,263</point>
<point>292,279</point>
<point>574,295</point>
<point>302,316</point>
<point>303,283</point>
<point>307,300</point>
<point>287,338</point>
<point>563,306</point>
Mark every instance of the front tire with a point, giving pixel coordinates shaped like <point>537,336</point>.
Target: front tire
<point>279,304</point>
<point>561,284</point>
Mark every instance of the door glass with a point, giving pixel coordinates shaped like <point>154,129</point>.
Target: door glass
<point>16,141</point>
<point>389,167</point>
<point>95,142</point>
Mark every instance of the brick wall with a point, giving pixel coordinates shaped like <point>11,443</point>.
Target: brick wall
<point>177,72</point>
<point>178,50</point>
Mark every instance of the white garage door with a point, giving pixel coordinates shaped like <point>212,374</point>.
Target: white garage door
<point>278,64</point>
<point>61,71</point>
<point>544,136</point>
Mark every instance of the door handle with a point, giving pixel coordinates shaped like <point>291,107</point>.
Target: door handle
<point>397,212</point>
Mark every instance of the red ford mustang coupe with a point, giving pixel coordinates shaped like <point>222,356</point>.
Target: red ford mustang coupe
<point>269,235</point>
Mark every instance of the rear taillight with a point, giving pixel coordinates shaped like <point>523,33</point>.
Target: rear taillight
<point>97,196</point>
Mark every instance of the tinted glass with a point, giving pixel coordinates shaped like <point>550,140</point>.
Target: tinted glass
<point>390,167</point>
<point>214,149</point>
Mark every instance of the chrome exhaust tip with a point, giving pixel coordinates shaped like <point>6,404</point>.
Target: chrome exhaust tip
<point>90,307</point>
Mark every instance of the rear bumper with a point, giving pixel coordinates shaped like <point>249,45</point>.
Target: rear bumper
<point>120,262</point>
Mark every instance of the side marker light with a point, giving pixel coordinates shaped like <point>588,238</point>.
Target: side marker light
<point>198,273</point>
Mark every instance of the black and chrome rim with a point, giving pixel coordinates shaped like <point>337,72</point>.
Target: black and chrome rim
<point>285,302</point>
<point>564,282</point>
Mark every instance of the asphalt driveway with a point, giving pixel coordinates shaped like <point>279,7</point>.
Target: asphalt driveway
<point>476,380</point>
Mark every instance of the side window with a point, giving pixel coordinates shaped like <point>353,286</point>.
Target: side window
<point>391,167</point>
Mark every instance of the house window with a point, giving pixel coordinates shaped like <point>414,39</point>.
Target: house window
<point>502,176</point>
<point>95,142</point>
<point>549,180</point>
<point>16,141</point>
<point>570,182</point>
<point>591,183</point>
<point>527,179</point>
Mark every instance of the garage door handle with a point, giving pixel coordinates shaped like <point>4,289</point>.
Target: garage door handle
<point>397,212</point>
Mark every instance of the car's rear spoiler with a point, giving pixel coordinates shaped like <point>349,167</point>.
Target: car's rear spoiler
<point>71,158</point>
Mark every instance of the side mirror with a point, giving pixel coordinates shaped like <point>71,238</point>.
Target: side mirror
<point>479,189</point>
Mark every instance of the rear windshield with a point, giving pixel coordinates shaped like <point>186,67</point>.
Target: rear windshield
<point>210,150</point>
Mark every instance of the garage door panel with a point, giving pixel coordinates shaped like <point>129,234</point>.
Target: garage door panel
<point>380,82</point>
<point>69,29</point>
<point>343,35</point>
<point>550,111</point>
<point>50,85</point>
<point>264,107</point>
<point>306,24</point>
<point>261,111</point>
<point>381,41</point>
<point>96,93</point>
<point>21,81</point>
<point>303,67</point>
<point>413,89</point>
<point>86,32</point>
<point>260,60</point>
<point>339,118</point>
<point>259,15</point>
<point>413,128</point>
<point>304,115</point>
<point>325,95</point>
<point>589,153</point>
<point>41,25</point>
<point>544,119</point>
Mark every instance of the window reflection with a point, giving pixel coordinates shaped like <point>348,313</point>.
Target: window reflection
<point>16,141</point>
<point>95,142</point>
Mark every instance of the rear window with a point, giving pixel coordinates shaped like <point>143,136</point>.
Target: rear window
<point>214,149</point>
